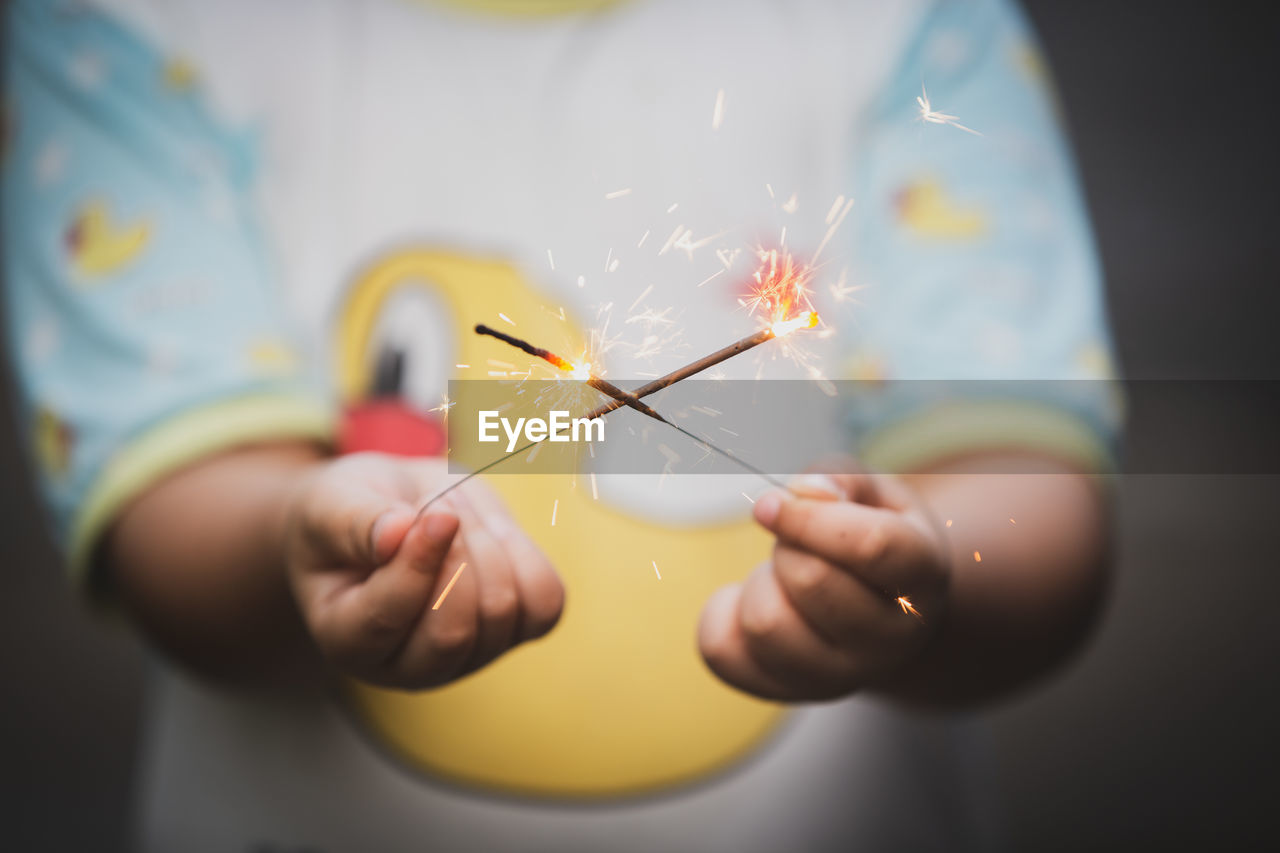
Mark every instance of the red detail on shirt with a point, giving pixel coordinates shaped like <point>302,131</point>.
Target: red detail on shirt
<point>389,425</point>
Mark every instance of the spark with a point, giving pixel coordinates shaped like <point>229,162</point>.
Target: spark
<point>791,204</point>
<point>672,208</point>
<point>445,405</point>
<point>461,366</point>
<point>835,208</point>
<point>607,259</point>
<point>844,211</point>
<point>655,569</point>
<point>651,317</point>
<point>841,291</point>
<point>731,432</point>
<point>769,187</point>
<point>643,237</point>
<point>618,193</point>
<point>715,274</point>
<point>748,497</point>
<point>639,298</point>
<point>595,493</point>
<point>554,509</point>
<point>672,456</point>
<point>905,604</point>
<point>613,266</point>
<point>448,587</point>
<point>550,259</point>
<point>717,115</point>
<point>728,257</point>
<point>948,522</point>
<point>690,246</point>
<point>977,557</point>
<point>670,240</point>
<point>929,114</point>
<point>1014,523</point>
<point>505,317</point>
<point>582,281</point>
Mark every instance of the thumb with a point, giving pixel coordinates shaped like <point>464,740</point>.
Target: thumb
<point>360,528</point>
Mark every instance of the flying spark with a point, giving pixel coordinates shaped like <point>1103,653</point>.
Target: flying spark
<point>448,587</point>
<point>717,115</point>
<point>905,604</point>
<point>929,114</point>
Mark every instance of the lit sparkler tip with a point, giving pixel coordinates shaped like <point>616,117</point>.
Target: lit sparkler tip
<point>907,607</point>
<point>785,327</point>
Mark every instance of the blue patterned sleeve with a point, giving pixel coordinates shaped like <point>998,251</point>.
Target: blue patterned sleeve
<point>975,253</point>
<point>144,327</point>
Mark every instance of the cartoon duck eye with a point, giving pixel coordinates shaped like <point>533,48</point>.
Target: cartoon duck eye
<point>410,354</point>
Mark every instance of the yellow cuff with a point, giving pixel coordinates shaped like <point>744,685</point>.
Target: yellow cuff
<point>956,429</point>
<point>181,440</point>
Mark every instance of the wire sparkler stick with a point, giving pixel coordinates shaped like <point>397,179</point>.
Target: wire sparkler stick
<point>623,398</point>
<point>579,371</point>
<point>626,398</point>
<point>777,330</point>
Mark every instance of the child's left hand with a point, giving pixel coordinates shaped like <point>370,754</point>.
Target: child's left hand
<point>823,618</point>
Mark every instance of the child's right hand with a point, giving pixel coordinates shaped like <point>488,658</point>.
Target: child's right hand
<point>365,572</point>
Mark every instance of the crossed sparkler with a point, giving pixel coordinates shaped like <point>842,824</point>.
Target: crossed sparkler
<point>632,399</point>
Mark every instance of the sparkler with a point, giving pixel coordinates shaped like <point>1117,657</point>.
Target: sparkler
<point>780,297</point>
<point>623,398</point>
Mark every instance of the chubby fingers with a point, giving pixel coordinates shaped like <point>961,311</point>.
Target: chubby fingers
<point>541,593</point>
<point>838,606</point>
<point>507,594</point>
<point>492,583</point>
<point>887,549</point>
<point>362,624</point>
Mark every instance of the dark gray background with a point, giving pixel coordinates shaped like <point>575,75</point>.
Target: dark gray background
<point>1162,733</point>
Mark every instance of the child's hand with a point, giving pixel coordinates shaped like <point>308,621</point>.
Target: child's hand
<point>822,618</point>
<point>366,574</point>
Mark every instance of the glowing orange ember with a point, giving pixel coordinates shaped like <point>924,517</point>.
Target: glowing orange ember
<point>786,327</point>
<point>905,604</point>
<point>780,295</point>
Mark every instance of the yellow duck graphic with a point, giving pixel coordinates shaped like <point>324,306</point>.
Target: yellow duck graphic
<point>100,246</point>
<point>179,75</point>
<point>925,208</point>
<point>616,700</point>
<point>53,439</point>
